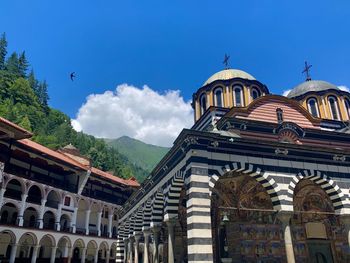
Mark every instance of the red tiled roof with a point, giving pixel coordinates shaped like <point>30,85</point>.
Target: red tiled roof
<point>51,153</point>
<point>23,133</point>
<point>62,157</point>
<point>114,178</point>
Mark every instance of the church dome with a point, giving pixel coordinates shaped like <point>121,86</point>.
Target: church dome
<point>311,85</point>
<point>229,74</point>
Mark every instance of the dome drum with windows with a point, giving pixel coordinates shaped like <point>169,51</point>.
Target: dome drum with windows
<point>226,89</point>
<point>322,99</point>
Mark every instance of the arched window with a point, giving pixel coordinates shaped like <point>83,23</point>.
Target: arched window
<point>347,107</point>
<point>218,97</point>
<point>279,113</point>
<point>254,93</point>
<point>333,106</point>
<point>313,107</point>
<point>203,103</point>
<point>238,96</point>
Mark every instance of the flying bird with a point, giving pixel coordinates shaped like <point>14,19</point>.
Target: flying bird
<point>72,76</point>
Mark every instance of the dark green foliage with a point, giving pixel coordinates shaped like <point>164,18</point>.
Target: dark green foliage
<point>43,96</point>
<point>24,101</point>
<point>3,51</point>
<point>12,64</point>
<point>23,65</point>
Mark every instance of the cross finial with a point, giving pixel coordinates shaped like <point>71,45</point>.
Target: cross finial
<point>226,61</point>
<point>307,71</point>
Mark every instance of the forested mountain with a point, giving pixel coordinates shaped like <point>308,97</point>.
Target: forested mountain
<point>24,101</point>
<point>141,154</point>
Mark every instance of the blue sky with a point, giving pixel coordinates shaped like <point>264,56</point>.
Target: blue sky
<point>175,45</point>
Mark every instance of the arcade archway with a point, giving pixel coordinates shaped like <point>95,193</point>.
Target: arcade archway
<point>245,227</point>
<point>317,230</point>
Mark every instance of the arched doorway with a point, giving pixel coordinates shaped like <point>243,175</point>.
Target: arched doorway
<point>63,247</point>
<point>244,224</point>
<point>102,252</point>
<point>318,233</point>
<point>25,247</point>
<point>9,213</point>
<point>113,253</point>
<point>30,217</point>
<point>77,251</point>
<point>8,239</point>
<point>91,251</point>
<point>49,220</point>
<point>65,223</point>
<point>46,245</point>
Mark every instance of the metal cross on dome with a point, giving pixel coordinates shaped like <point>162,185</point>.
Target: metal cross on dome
<point>307,71</point>
<point>226,61</point>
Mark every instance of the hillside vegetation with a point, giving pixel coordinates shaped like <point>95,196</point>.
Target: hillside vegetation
<point>24,101</point>
<point>139,153</point>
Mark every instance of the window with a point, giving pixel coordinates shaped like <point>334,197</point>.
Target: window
<point>218,98</point>
<point>238,96</point>
<point>67,201</point>
<point>313,107</point>
<point>347,107</point>
<point>254,93</point>
<point>333,106</point>
<point>203,103</point>
<point>279,113</point>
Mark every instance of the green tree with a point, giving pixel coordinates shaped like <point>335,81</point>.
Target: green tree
<point>22,65</point>
<point>12,64</point>
<point>21,92</point>
<point>25,123</point>
<point>42,94</point>
<point>33,82</point>
<point>3,51</point>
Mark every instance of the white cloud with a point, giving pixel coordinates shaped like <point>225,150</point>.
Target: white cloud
<point>344,88</point>
<point>142,114</point>
<point>286,92</point>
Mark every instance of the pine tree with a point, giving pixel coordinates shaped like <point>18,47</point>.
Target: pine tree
<point>23,65</point>
<point>33,82</point>
<point>3,51</point>
<point>12,64</point>
<point>42,94</point>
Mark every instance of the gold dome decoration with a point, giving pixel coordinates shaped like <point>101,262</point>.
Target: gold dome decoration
<point>229,74</point>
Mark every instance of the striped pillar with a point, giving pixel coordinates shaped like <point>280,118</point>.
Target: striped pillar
<point>120,250</point>
<point>199,236</point>
<point>120,245</point>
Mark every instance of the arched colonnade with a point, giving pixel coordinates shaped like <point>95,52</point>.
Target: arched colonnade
<point>33,205</point>
<point>23,246</point>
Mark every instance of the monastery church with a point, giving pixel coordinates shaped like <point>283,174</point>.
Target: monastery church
<point>258,178</point>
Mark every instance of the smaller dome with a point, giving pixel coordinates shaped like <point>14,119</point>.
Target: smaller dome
<point>311,85</point>
<point>229,74</point>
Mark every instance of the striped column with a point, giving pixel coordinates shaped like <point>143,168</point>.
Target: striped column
<point>199,236</point>
<point>120,245</point>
